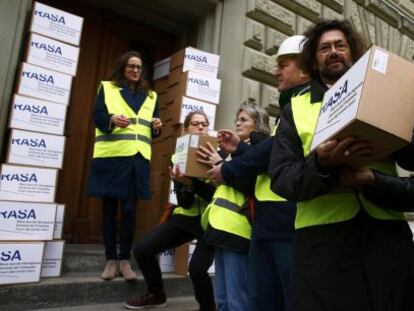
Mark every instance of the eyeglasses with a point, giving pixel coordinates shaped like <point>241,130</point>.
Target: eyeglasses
<point>133,67</point>
<point>198,123</point>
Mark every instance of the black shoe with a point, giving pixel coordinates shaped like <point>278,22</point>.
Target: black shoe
<point>147,301</point>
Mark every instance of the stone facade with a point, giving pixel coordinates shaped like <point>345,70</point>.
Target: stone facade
<point>389,24</point>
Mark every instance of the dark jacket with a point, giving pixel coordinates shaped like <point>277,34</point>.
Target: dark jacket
<point>299,178</point>
<point>119,177</point>
<point>273,220</point>
<point>392,192</point>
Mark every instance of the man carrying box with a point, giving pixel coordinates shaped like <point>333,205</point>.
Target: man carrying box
<point>349,253</point>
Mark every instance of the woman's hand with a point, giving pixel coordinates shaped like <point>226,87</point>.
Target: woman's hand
<point>179,177</point>
<point>208,155</point>
<point>228,140</point>
<point>156,123</point>
<point>120,120</point>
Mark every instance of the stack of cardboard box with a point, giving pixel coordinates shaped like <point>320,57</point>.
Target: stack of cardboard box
<point>186,81</point>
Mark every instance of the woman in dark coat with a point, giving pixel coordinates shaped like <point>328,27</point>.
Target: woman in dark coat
<point>126,118</point>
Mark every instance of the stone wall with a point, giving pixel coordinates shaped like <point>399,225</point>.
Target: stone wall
<point>389,24</point>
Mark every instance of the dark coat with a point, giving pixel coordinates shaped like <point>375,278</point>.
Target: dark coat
<point>119,177</point>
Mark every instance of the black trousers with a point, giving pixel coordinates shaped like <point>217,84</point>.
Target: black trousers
<point>109,212</point>
<point>363,264</point>
<point>168,236</point>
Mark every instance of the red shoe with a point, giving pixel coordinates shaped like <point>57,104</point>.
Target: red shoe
<point>147,301</point>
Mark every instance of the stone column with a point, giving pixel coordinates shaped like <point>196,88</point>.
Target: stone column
<point>13,16</point>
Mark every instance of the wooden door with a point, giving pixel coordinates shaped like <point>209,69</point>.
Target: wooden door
<point>105,36</point>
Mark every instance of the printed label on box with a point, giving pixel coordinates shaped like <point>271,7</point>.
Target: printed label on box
<point>181,149</point>
<point>52,54</point>
<point>56,24</point>
<point>38,149</point>
<point>26,221</point>
<point>44,84</point>
<point>201,62</point>
<point>203,87</point>
<point>172,197</point>
<point>20,262</point>
<point>37,115</point>
<point>29,184</point>
<point>340,102</point>
<point>52,259</point>
<point>193,105</point>
<point>167,261</point>
<point>380,61</point>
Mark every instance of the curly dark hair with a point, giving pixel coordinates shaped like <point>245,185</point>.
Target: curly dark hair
<point>314,33</point>
<point>117,77</point>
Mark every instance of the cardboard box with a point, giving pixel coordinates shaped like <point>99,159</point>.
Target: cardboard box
<point>52,54</point>
<point>161,86</point>
<point>37,115</point>
<point>52,259</point>
<point>162,68</point>
<point>27,183</point>
<point>60,214</point>
<point>374,101</point>
<point>27,221</point>
<point>21,262</point>
<point>195,60</point>
<point>182,106</point>
<point>183,256</point>
<point>197,86</point>
<point>57,24</point>
<point>37,149</point>
<point>46,84</point>
<point>186,156</point>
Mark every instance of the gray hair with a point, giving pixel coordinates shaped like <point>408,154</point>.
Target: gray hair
<point>258,114</point>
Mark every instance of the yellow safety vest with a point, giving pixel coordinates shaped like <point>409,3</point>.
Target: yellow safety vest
<point>223,213</point>
<point>262,189</point>
<point>136,137</point>
<point>341,203</point>
<point>196,209</point>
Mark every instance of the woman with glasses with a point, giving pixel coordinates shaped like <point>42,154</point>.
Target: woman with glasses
<point>183,226</point>
<point>126,119</point>
<point>227,217</point>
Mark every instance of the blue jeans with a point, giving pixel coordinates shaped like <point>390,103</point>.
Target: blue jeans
<point>231,280</point>
<point>269,274</point>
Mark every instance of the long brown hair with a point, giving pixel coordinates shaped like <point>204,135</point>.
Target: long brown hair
<point>307,58</point>
<point>117,77</point>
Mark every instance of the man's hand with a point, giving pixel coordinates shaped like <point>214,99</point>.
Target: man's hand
<point>228,140</point>
<point>120,120</point>
<point>359,177</point>
<point>349,151</point>
<point>215,175</point>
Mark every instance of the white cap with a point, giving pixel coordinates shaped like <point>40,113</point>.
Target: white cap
<point>291,45</point>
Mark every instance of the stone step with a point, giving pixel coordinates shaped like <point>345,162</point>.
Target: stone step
<point>173,304</point>
<point>86,258</point>
<point>76,289</point>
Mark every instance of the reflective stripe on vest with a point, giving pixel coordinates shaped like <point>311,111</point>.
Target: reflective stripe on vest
<point>262,190</point>
<point>136,137</point>
<point>341,203</point>
<point>223,213</point>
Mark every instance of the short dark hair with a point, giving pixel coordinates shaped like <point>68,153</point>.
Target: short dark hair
<point>117,77</point>
<point>314,33</point>
<point>189,116</point>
